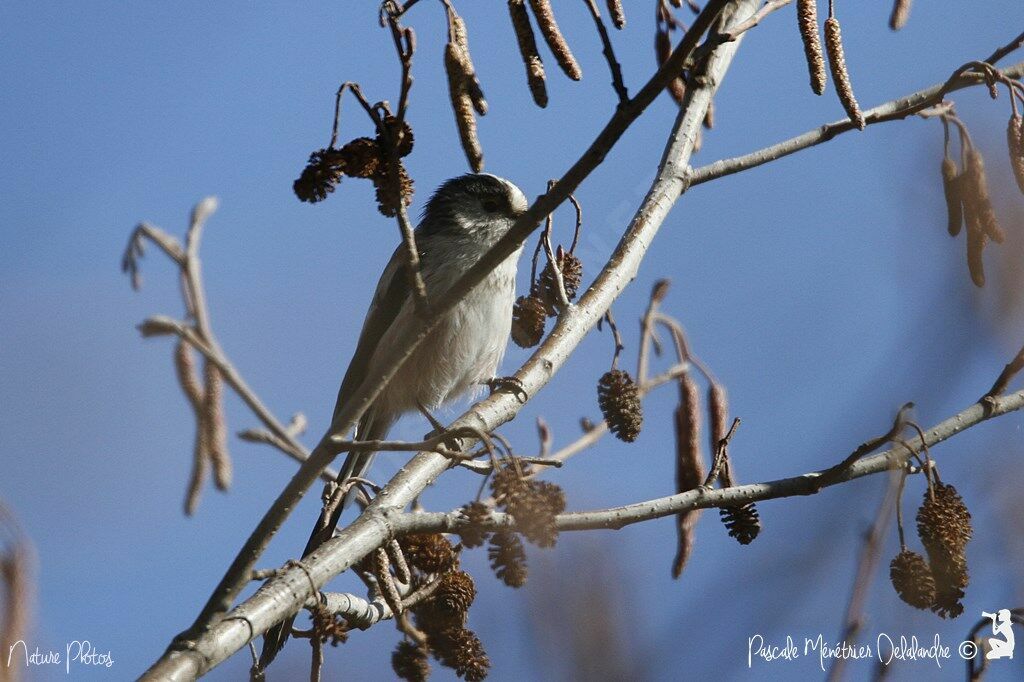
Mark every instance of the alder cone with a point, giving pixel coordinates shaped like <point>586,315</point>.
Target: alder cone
<point>912,579</point>
<point>410,662</point>
<point>742,522</point>
<point>528,317</point>
<point>619,399</point>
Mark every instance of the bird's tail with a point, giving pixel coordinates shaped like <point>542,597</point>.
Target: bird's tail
<point>356,464</point>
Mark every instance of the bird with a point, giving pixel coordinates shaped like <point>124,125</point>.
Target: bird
<point>461,221</point>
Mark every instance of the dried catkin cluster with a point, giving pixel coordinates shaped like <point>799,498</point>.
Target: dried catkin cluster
<point>528,51</point>
<point>807,19</point>
<point>508,558</point>
<point>530,313</point>
<point>464,90</point>
<point>944,527</point>
<point>968,203</point>
<point>840,74</point>
<point>410,662</point>
<point>362,157</point>
<point>548,27</point>
<point>473,535</point>
<point>441,617</point>
<point>532,504</point>
<point>689,466</point>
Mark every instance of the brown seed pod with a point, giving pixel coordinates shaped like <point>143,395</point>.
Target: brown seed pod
<point>976,197</point>
<point>662,50</point>
<point>807,18</point>
<point>388,194</point>
<point>410,662</point>
<point>954,202</point>
<point>528,51</point>
<point>553,36</point>
<point>508,558</point>
<point>912,579</point>
<point>944,523</point>
<point>534,509</point>
<point>741,521</point>
<point>460,649</point>
<point>619,399</point>
<point>403,136</point>
<point>361,158</point>
<point>900,14</point>
<point>329,626</point>
<point>461,38</point>
<point>528,317</point>
<point>455,593</point>
<point>618,14</point>
<point>386,582</point>
<point>951,579</point>
<point>507,483</point>
<point>689,466</point>
<point>430,553</point>
<point>976,241</point>
<point>840,74</point>
<point>214,423</point>
<point>462,105</point>
<point>321,175</point>
<point>473,535</point>
<point>547,285</point>
<point>1015,142</point>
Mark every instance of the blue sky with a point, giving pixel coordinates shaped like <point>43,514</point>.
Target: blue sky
<point>822,289</point>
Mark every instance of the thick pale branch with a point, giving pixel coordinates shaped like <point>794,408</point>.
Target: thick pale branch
<point>699,498</point>
<point>890,111</point>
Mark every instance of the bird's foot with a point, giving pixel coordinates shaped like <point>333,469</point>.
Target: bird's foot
<point>510,384</point>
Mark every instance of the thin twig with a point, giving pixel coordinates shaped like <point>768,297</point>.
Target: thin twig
<point>766,9</point>
<point>609,53</point>
<point>870,554</point>
<point>802,485</point>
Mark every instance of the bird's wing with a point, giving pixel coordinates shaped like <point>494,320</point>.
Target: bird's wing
<point>392,293</point>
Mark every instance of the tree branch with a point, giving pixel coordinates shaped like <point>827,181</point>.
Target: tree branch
<point>805,484</point>
<point>890,111</point>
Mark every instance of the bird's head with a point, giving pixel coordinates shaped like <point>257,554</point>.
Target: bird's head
<point>478,204</point>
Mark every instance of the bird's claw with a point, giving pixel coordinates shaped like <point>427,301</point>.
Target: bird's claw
<point>511,384</point>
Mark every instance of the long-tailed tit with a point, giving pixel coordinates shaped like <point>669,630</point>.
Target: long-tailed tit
<point>462,221</point>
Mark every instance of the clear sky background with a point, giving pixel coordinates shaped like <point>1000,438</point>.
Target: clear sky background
<point>822,289</point>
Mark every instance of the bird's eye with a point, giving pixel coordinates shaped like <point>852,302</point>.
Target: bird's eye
<point>491,206</point>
